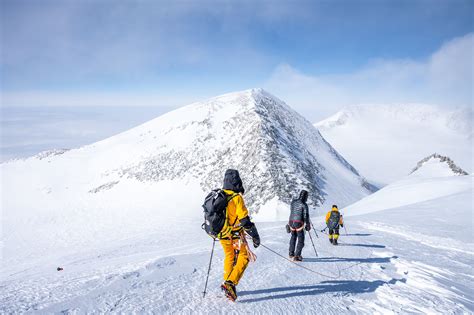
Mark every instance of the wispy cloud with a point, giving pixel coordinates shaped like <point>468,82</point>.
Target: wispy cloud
<point>445,78</point>
<point>50,44</point>
<point>70,99</point>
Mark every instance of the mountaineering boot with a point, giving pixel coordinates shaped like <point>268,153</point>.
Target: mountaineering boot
<point>291,256</point>
<point>298,258</point>
<point>229,290</point>
<point>330,240</point>
<point>334,242</point>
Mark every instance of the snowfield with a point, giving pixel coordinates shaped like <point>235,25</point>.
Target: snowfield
<point>123,220</point>
<point>415,258</point>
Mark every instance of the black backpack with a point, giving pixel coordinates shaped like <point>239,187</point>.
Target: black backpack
<point>333,221</point>
<point>215,205</point>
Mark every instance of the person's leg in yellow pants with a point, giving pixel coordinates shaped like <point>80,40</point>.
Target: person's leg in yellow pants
<point>234,272</point>
<point>336,236</point>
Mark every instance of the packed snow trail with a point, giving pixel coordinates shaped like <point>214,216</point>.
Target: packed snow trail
<point>379,272</point>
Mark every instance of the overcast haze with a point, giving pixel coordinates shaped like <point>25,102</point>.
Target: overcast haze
<point>74,72</point>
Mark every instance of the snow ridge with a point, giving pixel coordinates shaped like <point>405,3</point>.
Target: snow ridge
<point>442,159</point>
<point>40,156</point>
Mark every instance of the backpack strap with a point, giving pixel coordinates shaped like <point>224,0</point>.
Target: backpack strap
<point>231,197</point>
<point>227,228</point>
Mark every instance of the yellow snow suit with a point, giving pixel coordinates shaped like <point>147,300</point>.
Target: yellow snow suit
<point>230,241</point>
<point>334,234</point>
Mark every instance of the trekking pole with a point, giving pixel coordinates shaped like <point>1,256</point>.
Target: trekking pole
<point>344,224</point>
<point>314,229</point>
<point>209,269</point>
<point>311,238</point>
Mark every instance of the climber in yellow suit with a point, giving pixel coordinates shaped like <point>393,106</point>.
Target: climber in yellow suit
<point>231,237</point>
<point>333,222</point>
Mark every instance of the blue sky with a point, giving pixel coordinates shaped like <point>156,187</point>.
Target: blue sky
<point>157,55</point>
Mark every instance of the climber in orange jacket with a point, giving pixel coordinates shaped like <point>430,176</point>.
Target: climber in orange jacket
<point>333,222</point>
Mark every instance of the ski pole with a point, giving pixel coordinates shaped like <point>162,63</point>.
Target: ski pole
<point>344,224</point>
<point>311,238</point>
<point>323,231</point>
<point>314,229</point>
<point>209,269</point>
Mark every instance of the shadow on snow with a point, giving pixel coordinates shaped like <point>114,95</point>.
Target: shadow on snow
<point>340,286</point>
<point>362,245</point>
<point>370,260</point>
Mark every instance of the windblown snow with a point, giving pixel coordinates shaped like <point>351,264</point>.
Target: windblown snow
<point>384,141</point>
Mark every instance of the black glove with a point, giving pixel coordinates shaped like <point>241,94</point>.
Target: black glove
<point>342,225</point>
<point>251,230</point>
<point>288,229</point>
<point>307,227</point>
<point>256,241</point>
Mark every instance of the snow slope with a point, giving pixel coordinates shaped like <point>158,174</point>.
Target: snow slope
<point>385,141</point>
<point>432,179</point>
<point>405,257</point>
<point>157,174</point>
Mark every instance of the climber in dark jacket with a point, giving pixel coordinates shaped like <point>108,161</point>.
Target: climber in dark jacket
<point>299,220</point>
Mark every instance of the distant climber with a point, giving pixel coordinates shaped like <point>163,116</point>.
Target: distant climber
<point>299,220</point>
<point>333,222</point>
<point>232,236</point>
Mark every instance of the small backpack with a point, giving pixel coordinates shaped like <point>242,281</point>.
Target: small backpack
<point>215,216</point>
<point>333,221</point>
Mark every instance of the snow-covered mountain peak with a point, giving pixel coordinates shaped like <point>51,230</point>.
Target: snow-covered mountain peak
<point>437,165</point>
<point>277,151</point>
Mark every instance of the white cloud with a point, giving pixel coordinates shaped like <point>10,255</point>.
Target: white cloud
<point>73,42</point>
<point>445,78</point>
